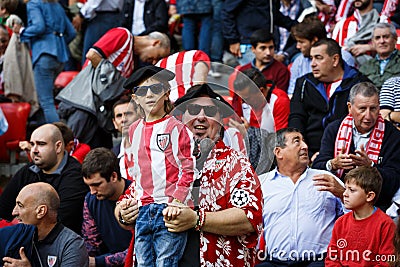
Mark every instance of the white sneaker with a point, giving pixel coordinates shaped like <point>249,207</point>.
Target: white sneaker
<point>214,73</point>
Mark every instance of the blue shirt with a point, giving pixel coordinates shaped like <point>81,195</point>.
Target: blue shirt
<point>384,62</point>
<point>297,217</point>
<point>301,66</point>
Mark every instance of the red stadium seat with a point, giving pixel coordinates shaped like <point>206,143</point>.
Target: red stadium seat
<point>64,78</point>
<point>17,116</point>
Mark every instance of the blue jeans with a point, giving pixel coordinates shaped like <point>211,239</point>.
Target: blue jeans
<point>45,72</point>
<point>247,55</point>
<point>189,38</point>
<point>217,41</point>
<point>97,27</point>
<point>154,245</point>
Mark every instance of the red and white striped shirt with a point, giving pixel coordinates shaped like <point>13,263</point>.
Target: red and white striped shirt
<point>343,9</point>
<point>162,160</point>
<point>261,118</point>
<point>279,105</point>
<point>117,46</point>
<point>347,28</point>
<point>183,65</point>
<point>234,139</point>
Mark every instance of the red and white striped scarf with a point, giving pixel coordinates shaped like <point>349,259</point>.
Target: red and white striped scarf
<point>344,138</point>
<point>389,9</point>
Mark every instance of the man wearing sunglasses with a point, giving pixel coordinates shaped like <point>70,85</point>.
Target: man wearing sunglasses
<point>229,199</point>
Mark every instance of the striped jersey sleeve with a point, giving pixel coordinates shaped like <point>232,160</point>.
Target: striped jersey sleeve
<point>183,65</point>
<point>390,94</point>
<point>117,46</point>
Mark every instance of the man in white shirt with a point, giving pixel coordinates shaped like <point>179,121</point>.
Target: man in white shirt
<point>300,208</point>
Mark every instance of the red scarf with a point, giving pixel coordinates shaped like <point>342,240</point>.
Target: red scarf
<point>344,138</point>
<point>130,256</point>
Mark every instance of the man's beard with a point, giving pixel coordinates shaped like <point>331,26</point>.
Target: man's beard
<point>364,5</point>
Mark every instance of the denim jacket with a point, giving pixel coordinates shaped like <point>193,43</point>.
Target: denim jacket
<point>48,31</point>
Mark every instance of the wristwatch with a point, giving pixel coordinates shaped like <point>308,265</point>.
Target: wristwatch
<point>329,165</point>
<point>390,119</point>
<point>121,220</point>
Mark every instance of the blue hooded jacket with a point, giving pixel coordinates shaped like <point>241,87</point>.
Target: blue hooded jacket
<point>12,238</point>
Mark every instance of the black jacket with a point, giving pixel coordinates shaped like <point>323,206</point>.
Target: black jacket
<point>116,149</point>
<point>310,111</point>
<point>241,18</point>
<point>155,16</point>
<point>388,160</point>
<point>68,184</point>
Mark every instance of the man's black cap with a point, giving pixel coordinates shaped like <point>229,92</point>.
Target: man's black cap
<point>196,91</point>
<point>142,74</point>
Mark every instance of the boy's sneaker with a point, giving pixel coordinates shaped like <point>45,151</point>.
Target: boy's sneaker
<point>214,72</point>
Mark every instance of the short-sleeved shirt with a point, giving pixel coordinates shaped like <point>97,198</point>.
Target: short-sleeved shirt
<point>228,181</point>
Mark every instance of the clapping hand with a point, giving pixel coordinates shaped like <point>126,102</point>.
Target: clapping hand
<point>361,157</point>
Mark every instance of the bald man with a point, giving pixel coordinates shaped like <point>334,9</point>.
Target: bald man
<point>52,165</point>
<point>56,245</point>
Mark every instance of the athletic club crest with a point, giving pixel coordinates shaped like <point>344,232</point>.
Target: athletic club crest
<point>51,260</point>
<point>219,164</point>
<point>163,141</point>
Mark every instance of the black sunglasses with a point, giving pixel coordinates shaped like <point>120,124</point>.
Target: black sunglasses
<point>156,89</point>
<point>195,109</point>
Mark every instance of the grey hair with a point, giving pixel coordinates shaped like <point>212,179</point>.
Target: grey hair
<point>280,140</point>
<point>384,25</point>
<point>164,40</point>
<point>365,89</point>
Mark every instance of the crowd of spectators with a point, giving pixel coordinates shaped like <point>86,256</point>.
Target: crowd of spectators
<point>203,133</point>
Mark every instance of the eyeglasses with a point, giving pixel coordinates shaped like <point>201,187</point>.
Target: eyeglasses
<point>209,111</point>
<point>156,89</point>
